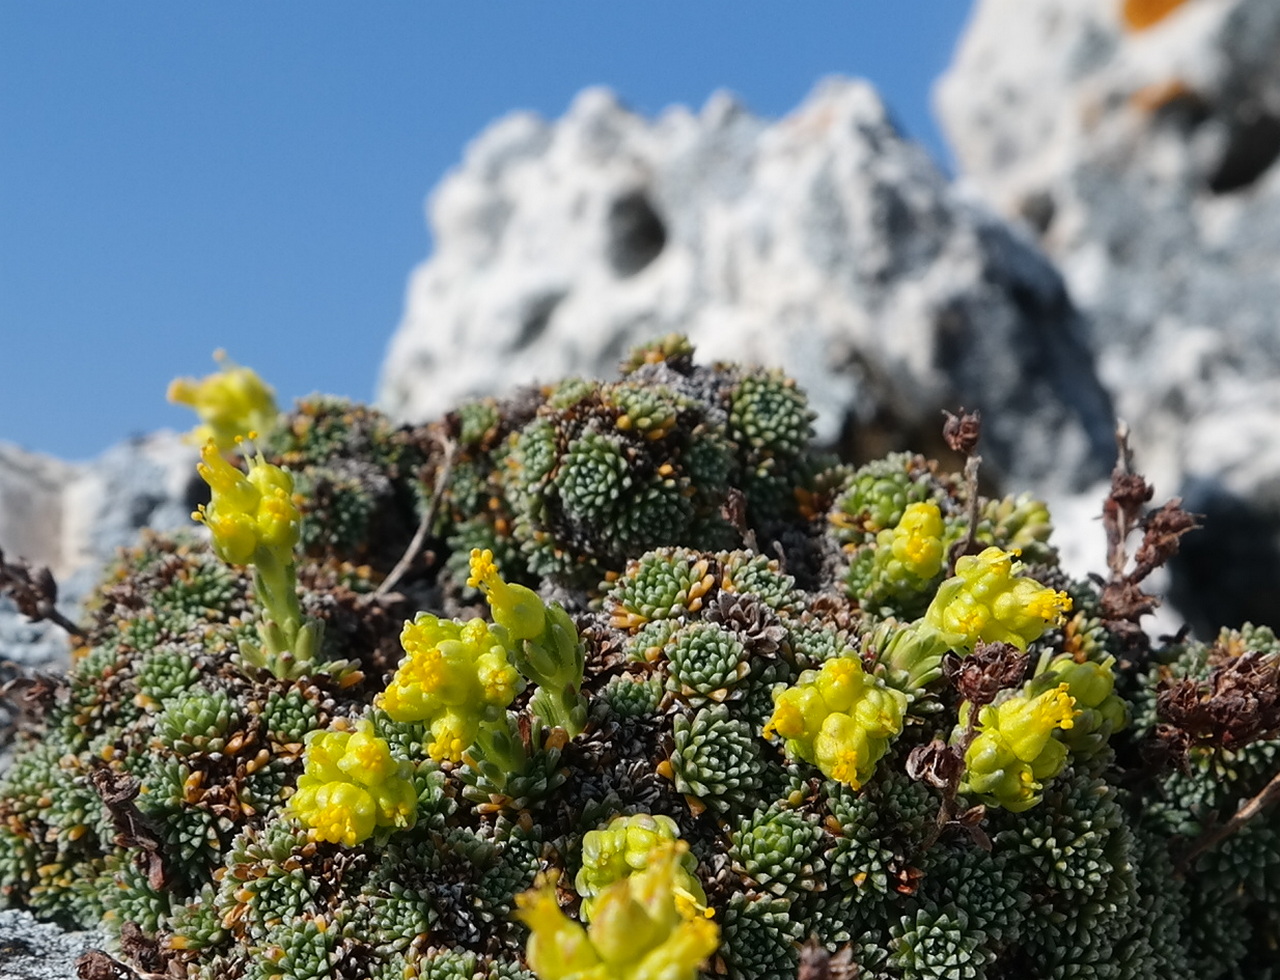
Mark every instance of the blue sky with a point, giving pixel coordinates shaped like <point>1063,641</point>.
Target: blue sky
<point>176,177</point>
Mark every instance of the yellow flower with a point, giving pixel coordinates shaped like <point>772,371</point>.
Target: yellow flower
<point>451,733</point>
<point>988,600</point>
<point>367,758</point>
<point>543,642</point>
<point>252,517</point>
<point>1016,749</point>
<point>839,718</point>
<point>788,719</point>
<point>455,677</point>
<point>558,947</point>
<point>626,846</point>
<point>231,403</point>
<point>644,928</point>
<point>351,787</point>
<point>1099,710</point>
<point>917,540</point>
<point>340,813</point>
<point>515,608</point>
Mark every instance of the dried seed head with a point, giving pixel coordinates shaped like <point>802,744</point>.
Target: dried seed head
<point>935,764</point>
<point>981,675</point>
<point>961,432</point>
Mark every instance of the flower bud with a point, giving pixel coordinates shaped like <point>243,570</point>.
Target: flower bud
<point>231,403</point>
<point>839,718</point>
<point>987,600</point>
<point>1016,749</point>
<point>350,787</point>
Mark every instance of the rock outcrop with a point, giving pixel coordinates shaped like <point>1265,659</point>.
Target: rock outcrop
<point>33,950</point>
<point>824,242</point>
<point>1138,142</point>
<point>72,517</point>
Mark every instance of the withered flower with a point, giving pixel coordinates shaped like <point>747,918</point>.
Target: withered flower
<point>936,764</point>
<point>1237,705</point>
<point>961,432</point>
<point>983,674</point>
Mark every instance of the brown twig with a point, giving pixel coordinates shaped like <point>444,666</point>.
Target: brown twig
<point>96,964</point>
<point>1248,810</point>
<point>450,449</point>
<point>35,593</point>
<point>734,511</point>
<point>132,828</point>
<point>1123,603</point>
<point>1122,511</point>
<point>941,765</point>
<point>29,692</point>
<point>961,433</point>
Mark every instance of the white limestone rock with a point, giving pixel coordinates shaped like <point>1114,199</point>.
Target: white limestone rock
<point>1144,162</point>
<point>33,950</point>
<point>72,517</point>
<point>31,487</point>
<point>823,242</point>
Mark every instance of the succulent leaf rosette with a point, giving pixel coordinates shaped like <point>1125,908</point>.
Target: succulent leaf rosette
<point>654,691</point>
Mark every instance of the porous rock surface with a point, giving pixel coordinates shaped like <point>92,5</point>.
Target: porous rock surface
<point>32,950</point>
<point>824,243</point>
<point>1138,142</point>
<point>72,517</point>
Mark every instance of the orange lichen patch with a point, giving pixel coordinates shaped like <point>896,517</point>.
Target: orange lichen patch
<point>1154,97</point>
<point>1138,15</point>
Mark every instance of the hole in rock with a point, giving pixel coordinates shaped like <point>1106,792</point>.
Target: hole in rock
<point>537,316</point>
<point>1038,209</point>
<point>1228,572</point>
<point>636,234</point>
<point>1252,147</point>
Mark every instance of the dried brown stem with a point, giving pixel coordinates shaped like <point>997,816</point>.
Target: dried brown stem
<point>35,593</point>
<point>1248,810</point>
<point>735,512</point>
<point>1122,510</point>
<point>450,450</point>
<point>967,546</point>
<point>961,433</point>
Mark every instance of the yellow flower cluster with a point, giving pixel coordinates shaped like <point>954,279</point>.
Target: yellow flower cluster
<point>625,847</point>
<point>543,642</point>
<point>515,608</point>
<point>915,545</point>
<point>989,600</point>
<point>253,521</point>
<point>231,403</point>
<point>642,929</point>
<point>454,677</point>
<point>252,517</point>
<point>1099,710</point>
<point>839,718</point>
<point>1015,751</point>
<point>352,787</point>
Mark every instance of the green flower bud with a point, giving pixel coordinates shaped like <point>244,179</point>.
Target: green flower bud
<point>625,847</point>
<point>988,600</point>
<point>839,718</point>
<point>1015,751</point>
